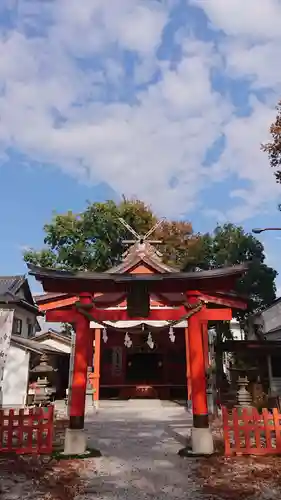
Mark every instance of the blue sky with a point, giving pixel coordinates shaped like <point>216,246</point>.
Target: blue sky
<point>165,100</point>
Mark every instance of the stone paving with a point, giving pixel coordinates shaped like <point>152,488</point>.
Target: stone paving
<point>139,441</point>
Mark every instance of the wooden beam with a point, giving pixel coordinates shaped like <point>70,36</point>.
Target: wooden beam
<point>216,315</point>
<point>57,304</point>
<point>234,303</point>
<point>225,301</point>
<point>63,316</point>
<point>71,316</point>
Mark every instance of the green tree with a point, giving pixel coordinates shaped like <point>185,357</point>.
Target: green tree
<point>226,246</point>
<point>273,147</point>
<point>92,240</point>
<point>229,245</point>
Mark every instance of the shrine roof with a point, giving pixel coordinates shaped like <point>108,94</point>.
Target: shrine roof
<point>44,297</point>
<point>254,347</point>
<point>220,280</point>
<point>33,345</point>
<point>142,253</point>
<point>16,290</point>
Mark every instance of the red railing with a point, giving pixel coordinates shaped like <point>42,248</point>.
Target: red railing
<point>27,430</point>
<point>247,432</point>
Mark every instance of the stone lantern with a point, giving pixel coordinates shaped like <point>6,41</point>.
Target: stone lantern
<point>43,392</point>
<point>244,398</point>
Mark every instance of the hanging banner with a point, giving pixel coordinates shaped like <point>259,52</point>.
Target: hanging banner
<point>6,327</point>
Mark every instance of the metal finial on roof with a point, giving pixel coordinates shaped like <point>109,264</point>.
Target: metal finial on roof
<point>139,238</point>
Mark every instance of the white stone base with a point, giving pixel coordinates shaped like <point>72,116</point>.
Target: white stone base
<point>202,441</point>
<point>75,442</point>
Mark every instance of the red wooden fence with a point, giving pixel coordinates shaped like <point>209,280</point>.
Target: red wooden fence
<point>247,432</point>
<point>27,431</point>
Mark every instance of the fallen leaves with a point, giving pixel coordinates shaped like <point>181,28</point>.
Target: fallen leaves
<point>40,477</point>
<point>246,477</point>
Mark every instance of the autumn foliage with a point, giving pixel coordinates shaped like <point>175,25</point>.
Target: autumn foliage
<point>273,147</point>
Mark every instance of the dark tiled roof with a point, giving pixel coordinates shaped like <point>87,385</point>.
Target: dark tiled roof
<point>274,330</point>
<point>9,285</point>
<point>222,279</point>
<point>45,297</point>
<point>9,288</point>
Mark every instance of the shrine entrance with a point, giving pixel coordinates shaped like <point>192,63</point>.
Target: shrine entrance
<point>142,290</point>
<point>145,368</point>
<point>185,297</point>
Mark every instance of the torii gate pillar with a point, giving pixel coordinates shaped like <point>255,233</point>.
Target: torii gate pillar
<point>75,439</point>
<point>201,435</point>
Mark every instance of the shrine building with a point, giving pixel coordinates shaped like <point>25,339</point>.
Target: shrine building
<point>141,330</point>
<point>138,357</point>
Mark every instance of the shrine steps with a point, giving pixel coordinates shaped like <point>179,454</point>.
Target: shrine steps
<point>143,391</point>
<point>139,392</point>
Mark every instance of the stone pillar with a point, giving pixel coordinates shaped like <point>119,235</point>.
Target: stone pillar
<point>75,439</point>
<point>96,380</point>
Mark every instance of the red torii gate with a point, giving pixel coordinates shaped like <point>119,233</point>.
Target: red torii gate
<point>189,292</point>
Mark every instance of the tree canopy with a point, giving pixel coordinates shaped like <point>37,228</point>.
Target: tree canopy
<point>229,245</point>
<point>273,147</point>
<point>92,240</point>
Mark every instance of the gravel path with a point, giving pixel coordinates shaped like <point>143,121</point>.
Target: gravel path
<point>139,441</point>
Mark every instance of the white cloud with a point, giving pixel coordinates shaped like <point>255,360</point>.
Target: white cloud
<point>251,48</point>
<point>66,97</point>
<point>243,159</point>
<point>257,19</point>
<point>89,26</point>
<point>254,62</point>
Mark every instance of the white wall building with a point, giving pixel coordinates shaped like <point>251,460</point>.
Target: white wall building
<point>267,326</point>
<point>15,295</point>
<point>15,378</point>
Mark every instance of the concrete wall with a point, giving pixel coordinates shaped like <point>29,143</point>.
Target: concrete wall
<point>15,380</point>
<point>272,317</point>
<point>236,331</point>
<point>24,315</point>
